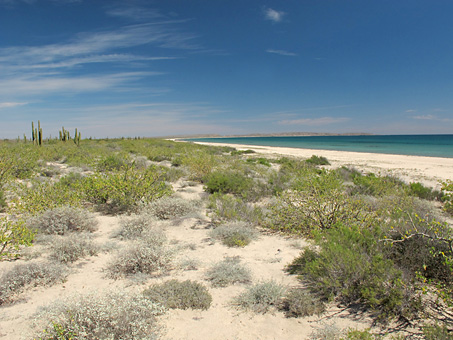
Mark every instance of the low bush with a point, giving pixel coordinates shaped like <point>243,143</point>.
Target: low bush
<point>111,163</point>
<point>378,186</point>
<point>228,183</point>
<point>419,190</point>
<point>437,332</point>
<point>132,227</point>
<point>241,152</point>
<point>300,302</point>
<point>140,258</point>
<point>13,235</point>
<point>260,160</point>
<point>64,219</point>
<point>126,189</point>
<point>350,266</point>
<point>230,208</point>
<point>180,295</point>
<point>261,297</point>
<point>68,249</point>
<point>317,160</point>
<point>447,198</point>
<point>234,234</point>
<point>106,315</point>
<point>31,274</point>
<point>228,272</point>
<point>167,208</point>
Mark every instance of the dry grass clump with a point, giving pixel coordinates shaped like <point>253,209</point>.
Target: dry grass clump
<point>110,315</point>
<point>299,302</point>
<point>140,257</point>
<point>68,249</point>
<point>227,272</point>
<point>261,297</point>
<point>171,207</point>
<point>132,227</point>
<point>234,234</point>
<point>180,295</point>
<point>30,274</point>
<point>62,220</point>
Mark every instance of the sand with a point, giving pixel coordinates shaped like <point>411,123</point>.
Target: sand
<point>266,257</point>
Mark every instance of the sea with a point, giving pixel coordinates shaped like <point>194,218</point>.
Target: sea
<point>414,145</point>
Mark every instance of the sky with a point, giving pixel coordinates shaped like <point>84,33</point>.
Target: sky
<point>183,67</point>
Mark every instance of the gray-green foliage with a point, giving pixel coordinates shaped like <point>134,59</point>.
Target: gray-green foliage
<point>227,272</point>
<point>70,248</point>
<point>230,208</point>
<point>168,208</point>
<point>180,295</point>
<point>132,227</point>
<point>234,234</point>
<point>30,274</point>
<point>62,220</point>
<point>300,302</point>
<point>101,315</point>
<point>261,297</point>
<point>140,257</point>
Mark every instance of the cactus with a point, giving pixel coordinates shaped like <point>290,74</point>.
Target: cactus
<point>75,136</point>
<point>33,132</point>
<point>39,133</point>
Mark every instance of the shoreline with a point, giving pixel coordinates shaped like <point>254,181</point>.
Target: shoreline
<point>429,171</point>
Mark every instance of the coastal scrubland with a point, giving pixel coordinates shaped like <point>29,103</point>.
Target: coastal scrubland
<point>148,239</point>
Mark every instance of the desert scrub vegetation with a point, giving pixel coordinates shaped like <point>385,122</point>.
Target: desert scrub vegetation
<point>101,315</point>
<point>13,235</point>
<point>167,208</point>
<point>227,272</point>
<point>30,274</point>
<point>132,227</point>
<point>70,248</point>
<point>225,207</point>
<point>63,220</point>
<point>141,257</point>
<point>125,190</point>
<point>174,294</point>
<point>261,298</point>
<point>299,302</point>
<point>234,234</point>
<point>317,160</point>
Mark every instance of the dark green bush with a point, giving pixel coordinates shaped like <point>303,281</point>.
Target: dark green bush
<point>241,152</point>
<point>228,182</point>
<point>111,163</point>
<point>373,185</point>
<point>317,160</point>
<point>419,190</point>
<point>180,295</point>
<point>261,160</point>
<point>351,267</point>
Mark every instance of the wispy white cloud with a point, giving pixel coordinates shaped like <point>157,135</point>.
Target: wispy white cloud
<point>10,104</point>
<point>430,117</point>
<point>134,12</point>
<point>411,110</point>
<point>273,15</point>
<point>282,52</point>
<point>424,117</point>
<point>314,121</point>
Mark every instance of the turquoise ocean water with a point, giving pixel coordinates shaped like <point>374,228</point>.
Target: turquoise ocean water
<point>416,145</point>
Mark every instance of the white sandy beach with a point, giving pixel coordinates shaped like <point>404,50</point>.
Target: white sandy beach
<point>428,170</point>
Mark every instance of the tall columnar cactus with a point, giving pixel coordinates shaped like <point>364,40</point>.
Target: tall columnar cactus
<point>33,137</point>
<point>75,136</point>
<point>39,134</point>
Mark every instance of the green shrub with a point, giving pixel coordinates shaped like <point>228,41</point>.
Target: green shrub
<point>64,219</point>
<point>447,198</point>
<point>355,334</point>
<point>68,249</point>
<point>181,295</point>
<point>200,164</point>
<point>111,163</point>
<point>42,196</point>
<point>419,190</point>
<point>234,234</point>
<point>351,267</point>
<point>30,274</point>
<point>300,302</point>
<point>378,186</point>
<point>318,202</point>
<point>228,183</point>
<point>125,190</point>
<point>167,208</point>
<point>261,297</point>
<point>241,152</point>
<point>327,332</point>
<point>227,272</point>
<point>13,234</point>
<point>230,208</point>
<point>317,160</point>
<point>107,315</point>
<point>140,257</point>
<point>260,160</point>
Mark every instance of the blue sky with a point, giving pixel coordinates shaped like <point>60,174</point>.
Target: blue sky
<point>172,67</point>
